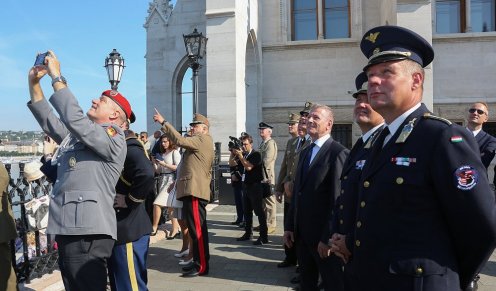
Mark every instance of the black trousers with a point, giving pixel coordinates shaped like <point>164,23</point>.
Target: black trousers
<point>290,252</point>
<point>311,265</point>
<point>195,214</point>
<point>83,261</point>
<point>238,200</point>
<point>253,202</point>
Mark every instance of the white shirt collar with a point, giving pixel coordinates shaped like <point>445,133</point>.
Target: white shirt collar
<point>319,142</point>
<point>393,127</point>
<point>475,132</point>
<point>366,135</point>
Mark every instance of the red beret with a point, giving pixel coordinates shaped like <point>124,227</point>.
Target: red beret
<point>120,100</point>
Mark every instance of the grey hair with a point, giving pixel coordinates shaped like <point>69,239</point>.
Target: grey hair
<point>327,110</point>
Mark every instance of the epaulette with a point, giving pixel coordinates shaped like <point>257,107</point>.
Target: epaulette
<point>430,116</point>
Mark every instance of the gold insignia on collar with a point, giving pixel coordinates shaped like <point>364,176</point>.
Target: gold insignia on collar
<point>372,37</point>
<point>405,132</point>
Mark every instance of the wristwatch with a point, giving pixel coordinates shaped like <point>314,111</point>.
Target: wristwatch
<point>59,79</point>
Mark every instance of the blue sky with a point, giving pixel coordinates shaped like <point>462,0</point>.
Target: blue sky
<point>82,34</point>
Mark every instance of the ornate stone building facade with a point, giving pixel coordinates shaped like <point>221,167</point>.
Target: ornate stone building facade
<point>266,58</point>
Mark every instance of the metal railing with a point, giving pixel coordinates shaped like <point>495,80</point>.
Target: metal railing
<point>44,260</point>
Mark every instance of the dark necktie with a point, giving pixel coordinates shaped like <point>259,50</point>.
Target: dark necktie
<point>377,146</point>
<point>300,142</point>
<point>306,161</point>
<point>358,146</point>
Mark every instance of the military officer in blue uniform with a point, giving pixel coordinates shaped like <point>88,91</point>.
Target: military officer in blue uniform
<point>89,161</point>
<point>426,216</point>
<point>127,265</point>
<point>343,221</point>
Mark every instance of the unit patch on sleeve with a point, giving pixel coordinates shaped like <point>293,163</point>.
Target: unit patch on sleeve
<point>466,177</point>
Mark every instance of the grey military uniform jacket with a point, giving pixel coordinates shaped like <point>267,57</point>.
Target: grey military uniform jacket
<point>89,161</point>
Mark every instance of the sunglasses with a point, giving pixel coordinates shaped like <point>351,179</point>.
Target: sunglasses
<point>473,110</point>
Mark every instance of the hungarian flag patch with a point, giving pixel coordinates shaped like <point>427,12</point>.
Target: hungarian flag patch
<point>456,138</point>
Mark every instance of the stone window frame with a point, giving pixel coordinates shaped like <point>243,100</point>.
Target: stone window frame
<point>354,21</point>
<point>464,17</point>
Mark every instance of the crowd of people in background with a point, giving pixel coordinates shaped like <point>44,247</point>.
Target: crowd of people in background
<point>409,207</point>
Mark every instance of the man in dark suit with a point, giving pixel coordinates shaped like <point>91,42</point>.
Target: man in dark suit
<point>343,221</point>
<point>478,114</point>
<point>426,217</point>
<point>315,189</point>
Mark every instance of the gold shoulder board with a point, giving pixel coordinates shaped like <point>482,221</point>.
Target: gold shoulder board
<point>430,116</point>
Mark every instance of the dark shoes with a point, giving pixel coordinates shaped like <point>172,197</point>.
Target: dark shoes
<point>285,264</point>
<point>473,286</point>
<point>261,241</point>
<point>241,224</point>
<point>246,236</point>
<point>296,280</point>
<point>236,222</point>
<point>177,235</point>
<point>193,271</point>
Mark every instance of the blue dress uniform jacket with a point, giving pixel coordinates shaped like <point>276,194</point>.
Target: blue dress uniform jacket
<point>136,181</point>
<point>487,147</point>
<point>344,214</point>
<point>88,167</point>
<point>426,215</point>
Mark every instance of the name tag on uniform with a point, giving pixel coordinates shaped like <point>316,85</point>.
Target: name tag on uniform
<point>243,177</point>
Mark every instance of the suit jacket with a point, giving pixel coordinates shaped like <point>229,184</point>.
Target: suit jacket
<point>315,193</point>
<point>136,181</point>
<point>193,178</point>
<point>89,163</point>
<point>426,212</point>
<point>268,149</point>
<point>344,214</point>
<point>286,172</point>
<point>7,225</point>
<point>487,147</point>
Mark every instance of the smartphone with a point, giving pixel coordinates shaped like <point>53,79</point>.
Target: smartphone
<point>159,157</point>
<point>40,59</point>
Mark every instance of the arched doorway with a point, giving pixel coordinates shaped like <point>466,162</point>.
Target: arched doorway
<point>183,92</point>
<point>253,96</point>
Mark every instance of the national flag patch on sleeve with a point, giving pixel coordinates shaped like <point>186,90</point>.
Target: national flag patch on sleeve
<point>111,131</point>
<point>456,138</point>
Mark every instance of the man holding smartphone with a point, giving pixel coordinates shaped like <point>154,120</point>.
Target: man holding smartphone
<point>89,161</point>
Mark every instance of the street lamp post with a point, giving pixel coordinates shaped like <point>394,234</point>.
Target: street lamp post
<point>114,64</point>
<point>195,44</point>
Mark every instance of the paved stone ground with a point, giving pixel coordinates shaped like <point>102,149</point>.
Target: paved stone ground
<point>233,265</point>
